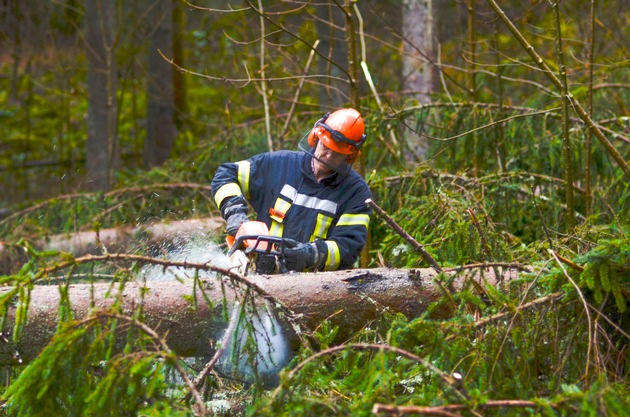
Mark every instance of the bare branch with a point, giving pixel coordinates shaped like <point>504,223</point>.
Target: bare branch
<point>247,80</point>
<point>416,245</point>
<point>558,84</point>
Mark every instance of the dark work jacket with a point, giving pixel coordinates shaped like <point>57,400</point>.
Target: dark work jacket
<point>282,189</point>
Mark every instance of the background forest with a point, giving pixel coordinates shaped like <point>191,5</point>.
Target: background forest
<point>498,137</point>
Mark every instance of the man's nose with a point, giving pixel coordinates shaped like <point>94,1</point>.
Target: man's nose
<point>327,153</point>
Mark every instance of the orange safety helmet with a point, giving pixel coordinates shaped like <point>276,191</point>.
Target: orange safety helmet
<point>343,131</point>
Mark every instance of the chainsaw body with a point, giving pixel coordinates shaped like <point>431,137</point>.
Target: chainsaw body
<point>254,251</point>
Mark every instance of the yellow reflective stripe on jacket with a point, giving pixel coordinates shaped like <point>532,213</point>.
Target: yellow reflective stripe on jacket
<point>281,206</point>
<point>334,256</point>
<point>277,225</point>
<point>227,190</point>
<point>243,176</point>
<point>321,227</point>
<point>354,220</point>
<point>276,229</point>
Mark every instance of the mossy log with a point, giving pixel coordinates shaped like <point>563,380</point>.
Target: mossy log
<point>349,299</point>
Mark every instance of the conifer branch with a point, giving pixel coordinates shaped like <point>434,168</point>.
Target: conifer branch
<point>164,351</point>
<point>586,310</point>
<point>113,193</point>
<point>454,382</point>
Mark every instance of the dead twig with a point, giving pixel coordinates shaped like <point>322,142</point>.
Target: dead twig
<point>298,91</point>
<point>485,265</point>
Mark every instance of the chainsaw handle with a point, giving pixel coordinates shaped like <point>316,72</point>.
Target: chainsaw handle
<point>239,243</point>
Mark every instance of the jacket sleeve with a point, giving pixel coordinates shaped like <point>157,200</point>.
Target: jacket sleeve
<point>348,237</point>
<point>230,180</point>
<point>246,179</point>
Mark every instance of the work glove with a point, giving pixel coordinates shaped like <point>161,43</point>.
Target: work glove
<point>301,256</point>
<point>234,211</point>
<point>234,222</point>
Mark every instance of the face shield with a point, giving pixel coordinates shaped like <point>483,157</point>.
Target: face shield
<point>330,159</point>
<point>330,147</point>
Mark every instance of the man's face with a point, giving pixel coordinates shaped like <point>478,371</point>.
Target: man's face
<point>327,160</point>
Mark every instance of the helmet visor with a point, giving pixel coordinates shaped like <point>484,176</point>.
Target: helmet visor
<point>338,165</point>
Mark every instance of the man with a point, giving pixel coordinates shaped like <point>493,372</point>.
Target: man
<point>312,197</point>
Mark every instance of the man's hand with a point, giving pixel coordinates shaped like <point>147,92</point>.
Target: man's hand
<point>299,256</point>
<point>234,211</point>
<point>234,222</point>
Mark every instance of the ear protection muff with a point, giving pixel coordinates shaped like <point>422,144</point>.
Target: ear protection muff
<point>312,139</point>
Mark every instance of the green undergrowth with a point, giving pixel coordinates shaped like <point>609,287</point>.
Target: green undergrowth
<point>552,341</point>
<point>489,196</point>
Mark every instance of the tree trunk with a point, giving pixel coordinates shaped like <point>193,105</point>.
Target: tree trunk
<point>349,299</point>
<point>102,80</point>
<point>160,94</point>
<point>331,45</point>
<point>179,81</point>
<point>419,71</point>
<point>12,26</point>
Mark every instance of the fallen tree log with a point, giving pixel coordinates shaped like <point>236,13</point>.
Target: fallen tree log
<point>349,299</point>
<point>116,239</point>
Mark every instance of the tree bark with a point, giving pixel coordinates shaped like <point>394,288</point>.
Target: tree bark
<point>349,299</point>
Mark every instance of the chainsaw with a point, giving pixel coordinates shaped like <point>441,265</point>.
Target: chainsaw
<point>254,251</point>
